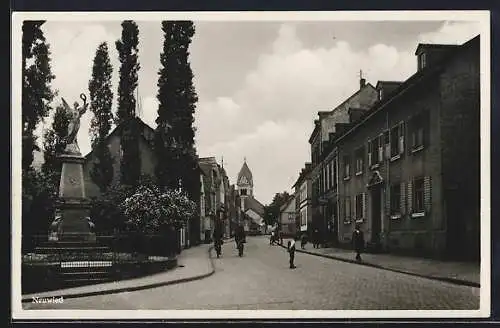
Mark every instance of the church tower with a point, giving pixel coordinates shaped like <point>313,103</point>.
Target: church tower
<point>245,184</point>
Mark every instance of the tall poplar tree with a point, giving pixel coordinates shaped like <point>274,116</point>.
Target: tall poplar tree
<point>36,92</point>
<point>101,101</point>
<point>54,143</point>
<point>174,135</point>
<point>128,53</point>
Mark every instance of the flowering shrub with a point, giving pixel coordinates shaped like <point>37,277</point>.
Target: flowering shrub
<point>106,211</point>
<point>151,210</point>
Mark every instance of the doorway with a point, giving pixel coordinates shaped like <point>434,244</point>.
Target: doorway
<point>376,209</point>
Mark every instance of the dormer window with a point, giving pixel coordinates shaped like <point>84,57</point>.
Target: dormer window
<point>422,60</point>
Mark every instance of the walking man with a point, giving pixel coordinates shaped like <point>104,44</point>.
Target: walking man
<point>303,241</point>
<point>358,240</point>
<point>316,238</point>
<point>291,252</point>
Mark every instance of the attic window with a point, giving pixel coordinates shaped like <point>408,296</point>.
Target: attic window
<point>380,93</point>
<point>422,60</point>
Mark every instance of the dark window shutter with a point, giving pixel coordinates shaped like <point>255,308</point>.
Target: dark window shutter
<point>427,194</point>
<point>402,199</point>
<point>370,153</point>
<point>410,198</point>
<point>342,213</point>
<point>401,138</point>
<point>364,205</point>
<point>355,206</point>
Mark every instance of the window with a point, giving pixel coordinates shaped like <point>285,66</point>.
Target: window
<point>418,195</point>
<point>395,198</point>
<point>315,153</point>
<point>419,129</point>
<point>328,177</point>
<point>397,140</point>
<point>380,94</point>
<point>380,150</point>
<point>303,217</point>
<point>374,152</point>
<point>291,216</point>
<point>347,210</point>
<point>422,60</point>
<point>334,168</point>
<point>387,143</point>
<point>347,167</point>
<point>330,169</point>
<point>243,192</point>
<point>360,207</point>
<point>303,193</point>
<point>359,154</point>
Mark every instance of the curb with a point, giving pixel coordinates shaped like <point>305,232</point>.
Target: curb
<point>136,288</point>
<point>455,281</point>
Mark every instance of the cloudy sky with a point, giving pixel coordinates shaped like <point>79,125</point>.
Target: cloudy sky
<point>260,84</point>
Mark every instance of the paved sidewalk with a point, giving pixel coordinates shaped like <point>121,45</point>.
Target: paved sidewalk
<point>193,264</point>
<point>455,272</point>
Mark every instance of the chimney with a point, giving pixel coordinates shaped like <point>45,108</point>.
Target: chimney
<point>362,83</point>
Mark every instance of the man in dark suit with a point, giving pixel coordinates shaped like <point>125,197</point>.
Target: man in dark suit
<point>358,240</point>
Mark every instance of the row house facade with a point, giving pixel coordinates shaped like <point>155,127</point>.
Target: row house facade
<point>407,171</point>
<point>303,204</point>
<point>214,206</point>
<point>287,218</point>
<point>329,123</point>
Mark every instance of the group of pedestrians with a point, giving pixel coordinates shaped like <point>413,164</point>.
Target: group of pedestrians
<point>358,241</point>
<point>239,238</point>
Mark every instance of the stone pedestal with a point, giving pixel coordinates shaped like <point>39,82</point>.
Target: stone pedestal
<point>73,220</point>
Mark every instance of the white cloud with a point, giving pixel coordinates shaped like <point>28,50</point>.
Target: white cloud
<point>281,95</point>
<point>269,119</point>
<point>278,103</point>
<point>452,33</point>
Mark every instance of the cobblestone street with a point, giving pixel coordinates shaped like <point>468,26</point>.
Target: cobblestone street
<point>261,280</point>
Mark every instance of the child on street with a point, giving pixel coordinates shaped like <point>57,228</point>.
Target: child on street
<point>291,252</point>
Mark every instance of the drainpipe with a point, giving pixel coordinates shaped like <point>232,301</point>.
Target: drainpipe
<point>387,186</point>
<point>336,158</point>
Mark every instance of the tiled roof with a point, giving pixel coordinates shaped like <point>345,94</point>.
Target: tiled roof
<point>254,204</point>
<point>245,171</point>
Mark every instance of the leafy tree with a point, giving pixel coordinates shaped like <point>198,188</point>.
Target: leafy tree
<point>54,144</point>
<point>36,93</point>
<point>174,135</point>
<point>101,100</point>
<point>39,194</point>
<point>272,211</point>
<point>128,52</point>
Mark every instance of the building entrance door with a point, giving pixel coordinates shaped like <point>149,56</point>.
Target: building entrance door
<point>376,210</point>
